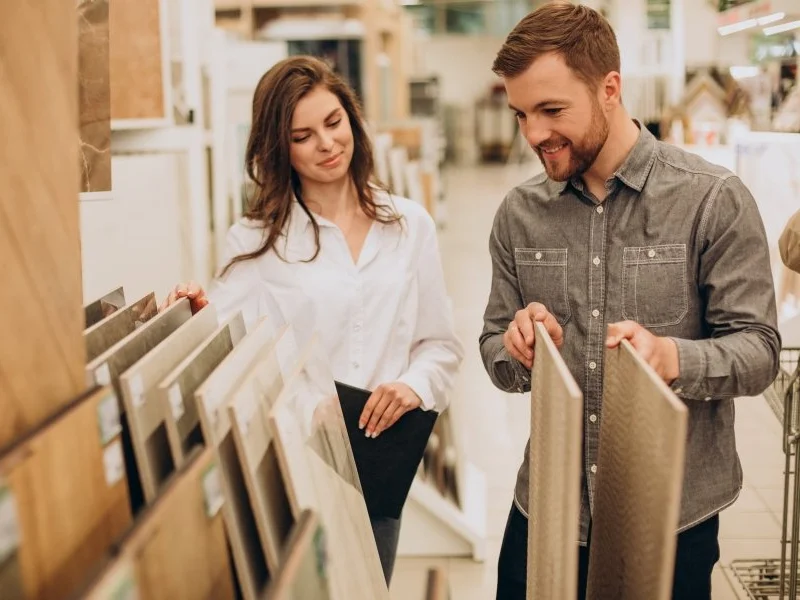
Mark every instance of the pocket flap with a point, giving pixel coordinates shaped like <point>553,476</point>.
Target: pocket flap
<point>645,255</point>
<point>540,256</point>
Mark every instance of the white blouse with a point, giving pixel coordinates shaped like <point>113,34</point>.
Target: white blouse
<point>386,318</point>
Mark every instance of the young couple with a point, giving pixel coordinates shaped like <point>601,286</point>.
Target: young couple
<point>697,301</point>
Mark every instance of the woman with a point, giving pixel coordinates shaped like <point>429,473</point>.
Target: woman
<point>320,231</point>
<point>789,243</point>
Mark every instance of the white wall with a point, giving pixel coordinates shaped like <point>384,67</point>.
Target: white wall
<point>704,46</point>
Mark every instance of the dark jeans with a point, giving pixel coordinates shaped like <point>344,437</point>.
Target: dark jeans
<point>387,536</point>
<point>697,553</point>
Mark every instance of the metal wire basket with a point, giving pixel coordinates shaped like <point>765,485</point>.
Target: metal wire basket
<point>771,579</point>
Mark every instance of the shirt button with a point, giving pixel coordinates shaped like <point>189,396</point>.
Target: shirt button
<point>595,313</point>
<point>593,469</point>
<point>592,365</point>
<point>593,418</point>
<point>538,256</point>
<point>651,253</point>
<point>679,391</point>
<point>596,260</point>
<point>600,210</point>
<point>707,398</point>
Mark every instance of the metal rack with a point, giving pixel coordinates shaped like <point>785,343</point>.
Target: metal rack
<point>770,579</point>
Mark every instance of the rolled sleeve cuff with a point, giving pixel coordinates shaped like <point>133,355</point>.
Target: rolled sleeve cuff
<point>422,388</point>
<point>522,377</point>
<point>692,365</point>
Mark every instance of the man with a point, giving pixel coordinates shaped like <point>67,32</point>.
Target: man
<point>789,243</point>
<point>624,238</point>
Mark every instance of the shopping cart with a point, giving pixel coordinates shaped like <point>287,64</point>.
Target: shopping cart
<point>771,579</point>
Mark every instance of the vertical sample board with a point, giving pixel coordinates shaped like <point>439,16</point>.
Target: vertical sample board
<point>303,574</point>
<point>102,335</point>
<point>556,448</point>
<point>94,96</point>
<point>41,316</point>
<point>639,481</point>
<point>99,309</point>
<point>64,489</point>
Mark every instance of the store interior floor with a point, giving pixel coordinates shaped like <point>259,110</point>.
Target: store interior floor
<point>493,426</point>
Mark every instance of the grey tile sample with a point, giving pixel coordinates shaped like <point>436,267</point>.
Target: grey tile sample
<point>556,446</point>
<point>96,311</point>
<point>105,333</point>
<point>639,478</point>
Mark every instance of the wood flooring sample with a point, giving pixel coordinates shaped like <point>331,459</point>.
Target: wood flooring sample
<point>41,298</point>
<point>68,494</point>
<point>639,480</point>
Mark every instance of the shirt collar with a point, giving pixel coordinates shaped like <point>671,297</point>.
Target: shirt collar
<point>635,168</point>
<point>300,222</point>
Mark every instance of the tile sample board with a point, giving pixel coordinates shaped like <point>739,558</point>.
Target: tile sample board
<point>212,398</point>
<point>66,483</point>
<point>639,480</point>
<point>94,96</point>
<point>99,309</point>
<point>103,334</point>
<point>144,406</point>
<point>115,581</point>
<point>556,450</point>
<point>41,299</point>
<point>320,474</point>
<point>178,388</point>
<point>303,574</point>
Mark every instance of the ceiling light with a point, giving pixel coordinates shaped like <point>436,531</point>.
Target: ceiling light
<point>781,28</point>
<point>743,72</point>
<point>736,27</point>
<point>773,18</point>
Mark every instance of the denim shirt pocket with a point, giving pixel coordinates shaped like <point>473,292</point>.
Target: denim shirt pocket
<point>654,290</point>
<point>542,275</point>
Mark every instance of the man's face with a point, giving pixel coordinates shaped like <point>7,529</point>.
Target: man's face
<point>560,116</point>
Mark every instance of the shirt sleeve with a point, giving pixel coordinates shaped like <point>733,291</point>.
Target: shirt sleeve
<point>789,244</point>
<point>740,357</point>
<point>436,352</point>
<point>505,300</point>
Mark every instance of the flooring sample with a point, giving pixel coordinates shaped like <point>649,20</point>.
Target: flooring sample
<point>556,450</point>
<point>177,389</point>
<point>639,478</point>
<point>116,581</point>
<point>100,336</point>
<point>70,503</point>
<point>135,51</point>
<point>107,368</point>
<point>303,574</point>
<point>320,474</point>
<point>144,406</point>
<point>387,464</point>
<point>41,297</point>
<point>212,399</point>
<point>94,96</point>
<point>248,408</point>
<point>96,311</point>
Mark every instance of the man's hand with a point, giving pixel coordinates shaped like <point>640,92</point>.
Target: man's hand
<point>192,290</point>
<point>661,353</point>
<point>385,406</point>
<point>519,337</point>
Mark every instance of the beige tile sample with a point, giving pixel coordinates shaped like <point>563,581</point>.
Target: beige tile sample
<point>556,448</point>
<point>102,307</point>
<point>639,479</point>
<point>103,334</point>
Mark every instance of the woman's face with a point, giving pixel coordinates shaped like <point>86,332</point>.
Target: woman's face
<point>322,144</point>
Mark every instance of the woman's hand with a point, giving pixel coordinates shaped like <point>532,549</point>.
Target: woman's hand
<point>385,406</point>
<point>192,290</point>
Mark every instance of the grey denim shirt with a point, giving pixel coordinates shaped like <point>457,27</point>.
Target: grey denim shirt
<point>678,246</point>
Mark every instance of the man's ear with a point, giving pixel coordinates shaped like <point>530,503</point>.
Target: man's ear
<point>611,89</point>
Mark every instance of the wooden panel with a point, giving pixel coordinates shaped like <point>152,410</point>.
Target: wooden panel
<point>248,410</point>
<point>67,483</point>
<point>40,257</point>
<point>639,479</point>
<point>178,388</point>
<point>556,450</point>
<point>178,547</point>
<point>94,96</point>
<point>137,76</point>
<point>99,337</point>
<point>319,470</point>
<point>437,585</point>
<point>116,581</point>
<point>303,574</point>
<point>211,399</point>
<point>144,406</point>
<point>106,305</point>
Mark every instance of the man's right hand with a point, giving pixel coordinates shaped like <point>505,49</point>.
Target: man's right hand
<point>192,290</point>
<point>519,337</point>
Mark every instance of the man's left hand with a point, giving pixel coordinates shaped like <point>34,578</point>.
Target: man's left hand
<point>661,353</point>
<point>385,406</point>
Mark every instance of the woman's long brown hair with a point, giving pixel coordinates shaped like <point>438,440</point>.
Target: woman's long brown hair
<point>268,161</point>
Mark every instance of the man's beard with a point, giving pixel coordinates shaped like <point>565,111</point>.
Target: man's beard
<point>581,156</point>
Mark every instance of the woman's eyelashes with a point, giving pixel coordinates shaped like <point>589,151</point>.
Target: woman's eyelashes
<point>331,125</point>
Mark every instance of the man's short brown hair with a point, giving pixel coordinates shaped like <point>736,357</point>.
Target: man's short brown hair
<point>580,35</point>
